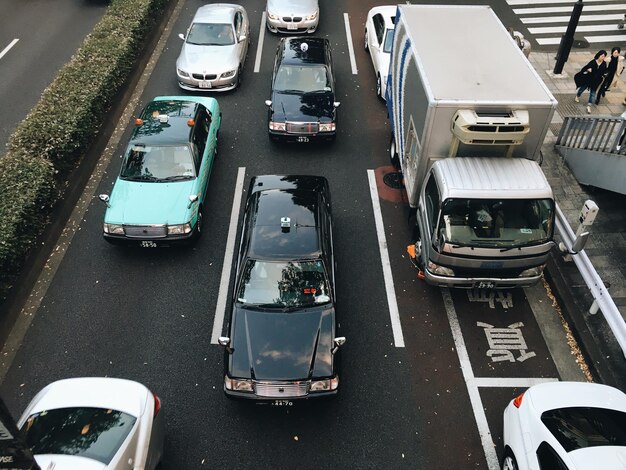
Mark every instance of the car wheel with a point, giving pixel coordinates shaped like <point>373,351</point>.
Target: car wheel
<point>365,45</point>
<point>509,462</point>
<point>393,153</point>
<point>198,229</point>
<point>379,88</point>
<point>239,73</point>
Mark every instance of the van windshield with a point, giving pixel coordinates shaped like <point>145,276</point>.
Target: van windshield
<point>494,223</point>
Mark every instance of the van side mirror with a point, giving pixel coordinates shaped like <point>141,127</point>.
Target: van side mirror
<point>268,102</point>
<point>182,36</point>
<point>224,341</point>
<point>339,341</point>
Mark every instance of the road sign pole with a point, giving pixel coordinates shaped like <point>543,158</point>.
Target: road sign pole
<point>568,38</point>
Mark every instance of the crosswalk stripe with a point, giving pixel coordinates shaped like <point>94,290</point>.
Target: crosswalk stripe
<point>540,2</point>
<point>592,39</point>
<point>565,19</point>
<point>579,29</point>
<point>568,9</point>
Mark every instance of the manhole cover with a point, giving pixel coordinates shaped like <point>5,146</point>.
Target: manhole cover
<point>393,180</point>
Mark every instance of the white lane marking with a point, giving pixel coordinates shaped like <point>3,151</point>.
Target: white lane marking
<point>579,29</point>
<point>46,276</point>
<point>346,20</point>
<point>541,2</point>
<point>565,19</point>
<point>220,309</point>
<point>513,382</point>
<point>8,48</point>
<point>259,46</point>
<point>396,326</point>
<point>542,10</point>
<point>468,375</point>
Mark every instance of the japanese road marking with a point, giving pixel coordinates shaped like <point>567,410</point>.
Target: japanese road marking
<point>396,326</point>
<point>220,309</point>
<point>8,48</point>
<point>259,46</point>
<point>346,20</point>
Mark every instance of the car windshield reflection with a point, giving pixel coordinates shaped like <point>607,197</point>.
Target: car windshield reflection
<point>301,79</point>
<point>158,163</point>
<point>206,34</point>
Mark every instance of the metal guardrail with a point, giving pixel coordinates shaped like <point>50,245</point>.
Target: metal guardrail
<point>594,283</point>
<point>598,133</point>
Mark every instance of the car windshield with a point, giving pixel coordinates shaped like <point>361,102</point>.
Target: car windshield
<point>283,284</point>
<point>493,223</point>
<point>93,433</point>
<point>209,34</point>
<point>577,428</point>
<point>388,41</point>
<point>158,163</point>
<point>301,79</point>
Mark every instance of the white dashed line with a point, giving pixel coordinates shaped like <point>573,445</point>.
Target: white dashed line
<point>220,309</point>
<point>259,46</point>
<point>346,20</point>
<point>396,326</point>
<point>8,48</point>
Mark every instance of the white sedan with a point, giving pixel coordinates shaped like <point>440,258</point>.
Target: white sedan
<point>566,426</point>
<point>379,28</point>
<point>94,424</point>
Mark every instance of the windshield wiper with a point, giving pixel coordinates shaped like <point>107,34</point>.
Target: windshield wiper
<point>290,92</point>
<point>521,245</point>
<point>177,178</point>
<point>266,305</point>
<point>141,178</point>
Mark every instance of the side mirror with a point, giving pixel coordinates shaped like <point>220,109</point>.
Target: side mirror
<point>268,103</point>
<point>182,36</point>
<point>224,341</point>
<point>242,38</point>
<point>193,198</point>
<point>104,198</point>
<point>336,104</point>
<point>339,341</point>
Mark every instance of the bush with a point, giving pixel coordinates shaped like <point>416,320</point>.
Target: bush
<point>59,130</point>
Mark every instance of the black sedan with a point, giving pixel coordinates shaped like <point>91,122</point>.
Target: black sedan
<point>303,106</point>
<point>282,343</point>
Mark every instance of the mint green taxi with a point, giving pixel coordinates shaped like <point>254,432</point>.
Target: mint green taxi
<point>159,195</point>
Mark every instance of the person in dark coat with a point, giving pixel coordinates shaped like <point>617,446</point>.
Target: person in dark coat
<point>611,70</point>
<point>590,77</point>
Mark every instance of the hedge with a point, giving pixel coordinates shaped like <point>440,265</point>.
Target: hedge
<point>47,145</point>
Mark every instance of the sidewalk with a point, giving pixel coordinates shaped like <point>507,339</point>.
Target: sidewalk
<point>607,245</point>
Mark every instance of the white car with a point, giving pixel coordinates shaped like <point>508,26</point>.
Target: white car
<point>379,28</point>
<point>94,423</point>
<point>292,16</point>
<point>566,426</point>
<point>215,48</point>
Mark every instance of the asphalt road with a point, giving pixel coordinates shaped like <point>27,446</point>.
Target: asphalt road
<point>147,315</point>
<point>40,36</point>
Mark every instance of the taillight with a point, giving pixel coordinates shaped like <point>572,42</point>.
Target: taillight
<point>517,401</point>
<point>157,404</point>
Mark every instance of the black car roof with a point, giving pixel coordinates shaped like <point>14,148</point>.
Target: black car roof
<point>174,131</point>
<point>292,53</point>
<point>268,240</point>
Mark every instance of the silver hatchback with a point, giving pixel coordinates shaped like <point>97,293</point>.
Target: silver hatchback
<point>215,48</point>
<point>292,16</point>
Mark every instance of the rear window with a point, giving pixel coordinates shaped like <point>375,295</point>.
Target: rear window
<point>577,428</point>
<point>93,433</point>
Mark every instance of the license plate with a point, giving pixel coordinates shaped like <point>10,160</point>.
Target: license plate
<point>485,285</point>
<point>302,139</point>
<point>205,84</point>
<point>147,244</point>
<point>282,403</point>
<point>292,26</point>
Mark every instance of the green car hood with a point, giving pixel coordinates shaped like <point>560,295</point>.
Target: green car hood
<point>140,203</point>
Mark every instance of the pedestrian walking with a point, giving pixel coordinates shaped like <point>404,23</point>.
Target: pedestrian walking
<point>590,77</point>
<point>612,64</point>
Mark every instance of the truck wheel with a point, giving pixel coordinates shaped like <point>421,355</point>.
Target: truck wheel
<point>393,154</point>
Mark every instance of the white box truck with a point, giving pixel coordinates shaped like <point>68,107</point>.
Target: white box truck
<point>469,115</point>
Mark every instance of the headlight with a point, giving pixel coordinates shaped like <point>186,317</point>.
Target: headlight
<point>178,229</point>
<point>313,16</point>
<point>439,270</point>
<point>230,73</point>
<point>278,126</point>
<point>238,385</point>
<point>114,229</point>
<point>324,385</point>
<point>182,73</point>
<point>328,127</point>
<point>532,272</point>
<point>272,16</point>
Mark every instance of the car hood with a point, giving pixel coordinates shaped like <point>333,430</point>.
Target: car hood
<point>207,59</point>
<point>612,458</point>
<point>135,202</point>
<point>67,462</point>
<point>277,345</point>
<point>292,7</point>
<point>306,107</point>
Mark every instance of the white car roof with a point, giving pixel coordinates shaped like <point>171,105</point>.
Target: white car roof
<point>216,13</point>
<point>554,395</point>
<point>388,12</point>
<point>92,392</point>
<point>612,458</point>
